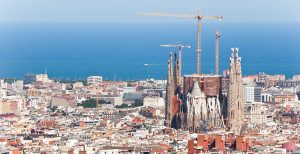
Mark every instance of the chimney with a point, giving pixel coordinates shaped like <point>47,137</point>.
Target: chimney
<point>220,142</point>
<point>191,147</point>
<point>203,141</point>
<point>71,151</point>
<point>241,143</point>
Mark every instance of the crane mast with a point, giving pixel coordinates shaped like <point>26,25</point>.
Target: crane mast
<point>218,35</point>
<point>199,47</point>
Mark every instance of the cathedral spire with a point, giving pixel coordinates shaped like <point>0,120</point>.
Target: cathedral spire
<point>170,93</point>
<point>232,52</point>
<point>235,104</point>
<point>196,91</point>
<point>237,52</point>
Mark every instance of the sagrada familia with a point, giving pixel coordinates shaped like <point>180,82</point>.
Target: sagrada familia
<point>199,102</point>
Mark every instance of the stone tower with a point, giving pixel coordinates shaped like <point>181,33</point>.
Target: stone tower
<point>174,111</point>
<point>235,106</point>
<point>177,72</point>
<point>170,94</point>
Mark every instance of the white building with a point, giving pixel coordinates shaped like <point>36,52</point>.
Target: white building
<point>18,85</point>
<point>252,93</point>
<point>296,77</point>
<point>129,89</point>
<point>92,80</point>
<point>2,85</point>
<point>78,85</point>
<point>42,78</point>
<point>249,93</point>
<point>114,100</point>
<point>108,151</point>
<point>256,113</point>
<point>154,101</point>
<point>3,93</point>
<point>33,102</point>
<point>265,97</point>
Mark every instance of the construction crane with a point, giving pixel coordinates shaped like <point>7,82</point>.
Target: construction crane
<point>218,35</point>
<point>196,16</point>
<point>179,46</point>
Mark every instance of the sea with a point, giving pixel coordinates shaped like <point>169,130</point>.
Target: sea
<point>132,51</point>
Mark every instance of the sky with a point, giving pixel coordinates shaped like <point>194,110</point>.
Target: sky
<point>126,10</point>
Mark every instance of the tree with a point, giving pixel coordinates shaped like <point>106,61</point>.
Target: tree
<point>137,103</point>
<point>91,103</point>
<point>122,106</point>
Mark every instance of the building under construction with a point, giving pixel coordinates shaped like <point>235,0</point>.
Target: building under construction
<point>196,102</point>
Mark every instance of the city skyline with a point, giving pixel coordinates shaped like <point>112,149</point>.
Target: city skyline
<point>200,99</point>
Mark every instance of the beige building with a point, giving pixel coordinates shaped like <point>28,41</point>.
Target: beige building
<point>42,78</point>
<point>296,77</point>
<point>154,101</point>
<point>255,113</point>
<point>62,101</point>
<point>78,85</point>
<point>282,98</point>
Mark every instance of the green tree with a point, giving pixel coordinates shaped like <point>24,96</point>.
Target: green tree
<point>91,103</point>
<point>137,103</point>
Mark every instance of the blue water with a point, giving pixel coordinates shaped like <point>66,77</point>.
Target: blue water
<point>77,50</point>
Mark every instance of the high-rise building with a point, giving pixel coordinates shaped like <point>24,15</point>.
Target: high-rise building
<point>42,78</point>
<point>236,100</point>
<point>29,78</point>
<point>93,80</point>
<point>252,92</point>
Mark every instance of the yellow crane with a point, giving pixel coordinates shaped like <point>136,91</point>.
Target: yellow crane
<point>196,16</point>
